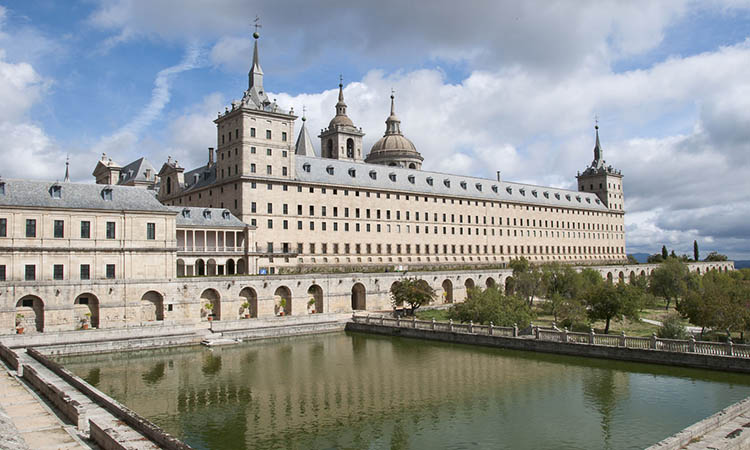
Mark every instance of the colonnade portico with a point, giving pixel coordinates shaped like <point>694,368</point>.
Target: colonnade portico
<point>56,306</point>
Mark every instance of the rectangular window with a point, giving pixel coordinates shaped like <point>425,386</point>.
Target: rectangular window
<point>30,272</point>
<point>2,272</point>
<point>110,271</point>
<point>3,227</point>
<point>150,231</point>
<point>268,134</point>
<point>85,272</point>
<point>284,171</point>
<point>283,136</point>
<point>30,228</point>
<point>252,168</point>
<point>270,224</point>
<point>270,208</point>
<point>85,229</point>
<point>110,230</point>
<point>57,272</point>
<point>252,133</point>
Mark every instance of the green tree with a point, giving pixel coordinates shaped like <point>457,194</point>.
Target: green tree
<point>664,254</point>
<point>672,328</point>
<point>607,301</point>
<point>714,256</point>
<point>527,279</point>
<point>673,254</point>
<point>696,253</point>
<point>491,305</point>
<point>655,258</point>
<point>563,288</point>
<point>669,280</point>
<point>632,260</point>
<point>719,301</point>
<point>413,292</point>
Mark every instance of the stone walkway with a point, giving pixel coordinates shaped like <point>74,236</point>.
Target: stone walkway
<point>27,422</point>
<point>734,434</point>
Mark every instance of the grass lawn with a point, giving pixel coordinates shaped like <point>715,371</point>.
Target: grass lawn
<point>440,315</point>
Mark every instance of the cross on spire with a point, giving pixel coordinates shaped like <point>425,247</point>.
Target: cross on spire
<point>256,24</point>
<point>596,122</point>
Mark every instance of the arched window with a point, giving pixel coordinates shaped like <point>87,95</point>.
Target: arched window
<point>169,185</point>
<point>329,148</point>
<point>350,148</point>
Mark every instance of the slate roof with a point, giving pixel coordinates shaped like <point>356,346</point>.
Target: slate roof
<point>206,217</point>
<point>416,181</point>
<point>27,193</point>
<point>304,144</point>
<point>136,171</point>
<point>200,177</point>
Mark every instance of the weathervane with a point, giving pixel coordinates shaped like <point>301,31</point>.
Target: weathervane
<point>596,121</point>
<point>257,25</point>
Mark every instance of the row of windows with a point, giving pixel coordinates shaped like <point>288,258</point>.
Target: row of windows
<point>58,272</point>
<point>228,136</point>
<point>447,249</point>
<point>435,218</point>
<point>59,229</point>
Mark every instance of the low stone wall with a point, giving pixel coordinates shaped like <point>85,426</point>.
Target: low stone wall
<point>700,361</point>
<point>290,330</point>
<point>135,421</point>
<point>9,356</point>
<point>121,345</point>
<point>70,408</point>
<point>697,430</point>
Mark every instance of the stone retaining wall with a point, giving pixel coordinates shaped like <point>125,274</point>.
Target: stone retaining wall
<point>712,362</point>
<point>70,408</point>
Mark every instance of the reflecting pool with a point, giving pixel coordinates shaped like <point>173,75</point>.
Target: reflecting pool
<point>357,391</point>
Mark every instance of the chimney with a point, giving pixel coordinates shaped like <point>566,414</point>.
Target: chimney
<point>498,176</point>
<point>148,174</point>
<point>210,156</point>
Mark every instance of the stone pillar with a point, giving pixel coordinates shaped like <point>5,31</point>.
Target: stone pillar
<point>491,326</point>
<point>414,321</point>
<point>591,336</point>
<point>653,341</point>
<point>564,335</point>
<point>730,347</point>
<point>691,344</point>
<point>471,326</point>
<point>433,324</point>
<point>622,339</point>
<point>398,321</point>
<point>536,332</point>
<point>450,324</point>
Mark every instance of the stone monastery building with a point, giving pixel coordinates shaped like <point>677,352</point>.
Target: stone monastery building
<point>348,207</point>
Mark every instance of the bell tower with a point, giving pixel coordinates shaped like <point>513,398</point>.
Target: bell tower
<point>602,179</point>
<point>341,140</point>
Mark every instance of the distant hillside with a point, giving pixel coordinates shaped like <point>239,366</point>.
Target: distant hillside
<point>742,264</point>
<point>640,257</point>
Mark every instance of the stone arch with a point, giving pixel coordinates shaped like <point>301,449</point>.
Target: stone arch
<point>350,148</point>
<point>412,166</point>
<point>698,270</point>
<point>447,291</point>
<point>621,277</point>
<point>490,282</point>
<point>32,309</point>
<point>180,267</point>
<point>211,267</point>
<point>632,277</point>
<point>359,297</point>
<point>230,267</point>
<point>212,297</point>
<point>469,284</point>
<point>200,267</point>
<point>251,297</point>
<point>241,267</point>
<point>643,273</point>
<point>314,299</point>
<point>609,277</point>
<point>86,307</point>
<point>152,306</point>
<point>510,286</point>
<point>282,295</point>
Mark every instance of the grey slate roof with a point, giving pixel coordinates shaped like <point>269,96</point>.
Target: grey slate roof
<point>304,145</point>
<point>27,193</point>
<point>416,181</point>
<point>136,171</point>
<point>200,177</point>
<point>190,216</point>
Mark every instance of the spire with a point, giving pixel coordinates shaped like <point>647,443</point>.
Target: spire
<point>598,156</point>
<point>304,145</point>
<point>255,76</point>
<point>392,123</point>
<point>67,170</point>
<point>341,106</point>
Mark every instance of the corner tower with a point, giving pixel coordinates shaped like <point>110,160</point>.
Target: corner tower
<point>341,140</point>
<point>603,180</point>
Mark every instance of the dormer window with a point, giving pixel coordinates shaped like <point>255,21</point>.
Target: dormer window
<point>509,190</point>
<point>352,173</point>
<point>597,201</point>
<point>2,187</point>
<point>567,196</point>
<point>225,214</point>
<point>447,182</point>
<point>329,170</point>
<point>373,175</point>
<point>557,195</point>
<point>578,197</point>
<point>430,181</point>
<point>588,200</point>
<point>411,179</point>
<point>534,193</point>
<point>186,213</point>
<point>207,213</point>
<point>546,194</point>
<point>494,188</point>
<point>522,191</point>
<point>479,186</point>
<point>56,191</point>
<point>392,176</point>
<point>463,184</point>
<point>107,194</point>
<point>306,167</point>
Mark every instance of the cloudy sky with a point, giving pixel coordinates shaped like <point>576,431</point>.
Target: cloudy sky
<point>480,86</point>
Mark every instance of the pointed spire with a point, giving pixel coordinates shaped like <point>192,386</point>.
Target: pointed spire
<point>304,145</point>
<point>392,123</point>
<point>598,155</point>
<point>67,169</point>
<point>255,76</point>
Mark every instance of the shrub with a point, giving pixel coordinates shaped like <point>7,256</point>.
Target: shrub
<point>672,328</point>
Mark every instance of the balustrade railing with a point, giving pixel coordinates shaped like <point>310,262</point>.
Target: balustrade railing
<point>551,334</point>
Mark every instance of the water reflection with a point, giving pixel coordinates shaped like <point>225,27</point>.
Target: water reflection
<point>359,391</point>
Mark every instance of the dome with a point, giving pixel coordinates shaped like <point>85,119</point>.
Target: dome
<point>340,120</point>
<point>394,149</point>
<point>393,142</point>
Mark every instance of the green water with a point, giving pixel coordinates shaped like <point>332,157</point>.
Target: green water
<point>349,390</point>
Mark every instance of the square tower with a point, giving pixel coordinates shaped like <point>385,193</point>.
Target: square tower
<point>603,180</point>
<point>341,140</point>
